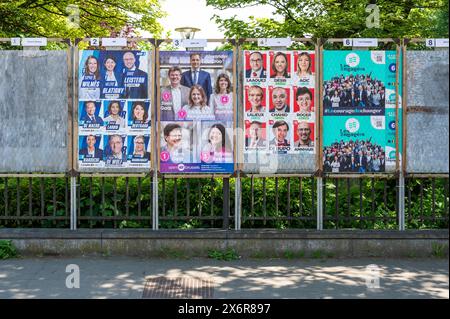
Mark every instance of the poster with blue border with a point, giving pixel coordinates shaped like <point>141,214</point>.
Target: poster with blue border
<point>114,111</point>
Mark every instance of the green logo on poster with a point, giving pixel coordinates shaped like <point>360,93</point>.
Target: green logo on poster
<point>392,154</point>
<point>352,125</point>
<point>352,59</point>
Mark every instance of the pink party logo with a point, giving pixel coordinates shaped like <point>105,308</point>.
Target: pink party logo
<point>182,114</point>
<point>224,99</point>
<point>164,156</point>
<point>204,156</point>
<point>166,96</point>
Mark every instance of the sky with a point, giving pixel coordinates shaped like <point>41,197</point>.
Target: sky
<point>195,13</point>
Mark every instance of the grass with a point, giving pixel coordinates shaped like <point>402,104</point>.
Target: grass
<point>228,254</point>
<point>7,249</point>
<point>438,250</point>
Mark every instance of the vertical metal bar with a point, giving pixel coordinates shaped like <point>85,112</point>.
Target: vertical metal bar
<point>5,194</point>
<point>73,203</point>
<point>116,212</point>
<point>175,193</point>
<point>78,196</point>
<point>401,201</point>
<point>324,198</point>
<point>336,202</point>
<point>200,197</point>
<point>66,197</point>
<point>252,200</point>
<point>163,196</point>
<point>188,195</point>
<point>276,196</point>
<point>212,201</point>
<point>30,196</point>
<point>18,196</point>
<point>445,197</point>
<point>54,199</point>
<point>238,204</point>
<point>226,202</point>
<point>373,196</point>
<point>155,204</point>
<point>313,197</point>
<point>421,201</point>
<point>115,195</point>
<point>386,209</point>
<point>300,195</point>
<point>264,201</point>
<point>91,201</point>
<point>408,183</point>
<point>127,197</point>
<point>42,195</point>
<point>320,199</point>
<point>360,204</point>
<point>289,200</point>
<point>433,199</point>
<point>348,199</point>
<point>139,195</point>
<point>103,200</point>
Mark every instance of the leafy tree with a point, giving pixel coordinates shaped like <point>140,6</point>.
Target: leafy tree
<point>338,18</point>
<point>48,18</point>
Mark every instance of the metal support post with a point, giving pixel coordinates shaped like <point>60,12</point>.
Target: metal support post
<point>319,203</point>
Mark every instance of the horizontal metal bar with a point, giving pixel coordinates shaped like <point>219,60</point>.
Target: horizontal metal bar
<point>379,175</point>
<point>149,217</point>
<point>34,218</point>
<point>243,175</point>
<point>291,218</point>
<point>190,217</point>
<point>32,175</point>
<point>426,175</point>
<point>124,174</point>
<point>196,176</point>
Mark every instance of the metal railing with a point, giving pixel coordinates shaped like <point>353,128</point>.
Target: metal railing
<point>189,203</point>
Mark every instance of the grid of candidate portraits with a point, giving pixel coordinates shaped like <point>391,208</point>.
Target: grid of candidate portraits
<point>279,114</point>
<point>196,112</point>
<point>114,111</point>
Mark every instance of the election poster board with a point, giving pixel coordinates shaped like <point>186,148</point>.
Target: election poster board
<point>34,122</point>
<point>279,111</point>
<point>427,107</point>
<point>114,111</point>
<point>196,112</point>
<point>359,111</point>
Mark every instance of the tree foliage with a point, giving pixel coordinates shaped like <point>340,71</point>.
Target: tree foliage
<point>49,18</point>
<point>337,18</point>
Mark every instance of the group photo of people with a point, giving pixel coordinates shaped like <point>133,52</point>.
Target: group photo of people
<point>196,91</point>
<point>279,94</point>
<point>359,156</point>
<point>114,111</point>
<point>353,91</point>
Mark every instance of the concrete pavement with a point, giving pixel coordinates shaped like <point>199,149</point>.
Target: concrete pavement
<point>125,277</point>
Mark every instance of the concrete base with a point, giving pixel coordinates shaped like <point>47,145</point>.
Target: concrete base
<point>247,243</point>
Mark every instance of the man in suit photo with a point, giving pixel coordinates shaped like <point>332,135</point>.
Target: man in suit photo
<point>90,151</point>
<point>279,99</point>
<point>256,70</point>
<point>173,96</point>
<point>134,79</point>
<point>90,117</point>
<point>116,151</point>
<point>255,139</point>
<point>280,130</point>
<point>197,76</point>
